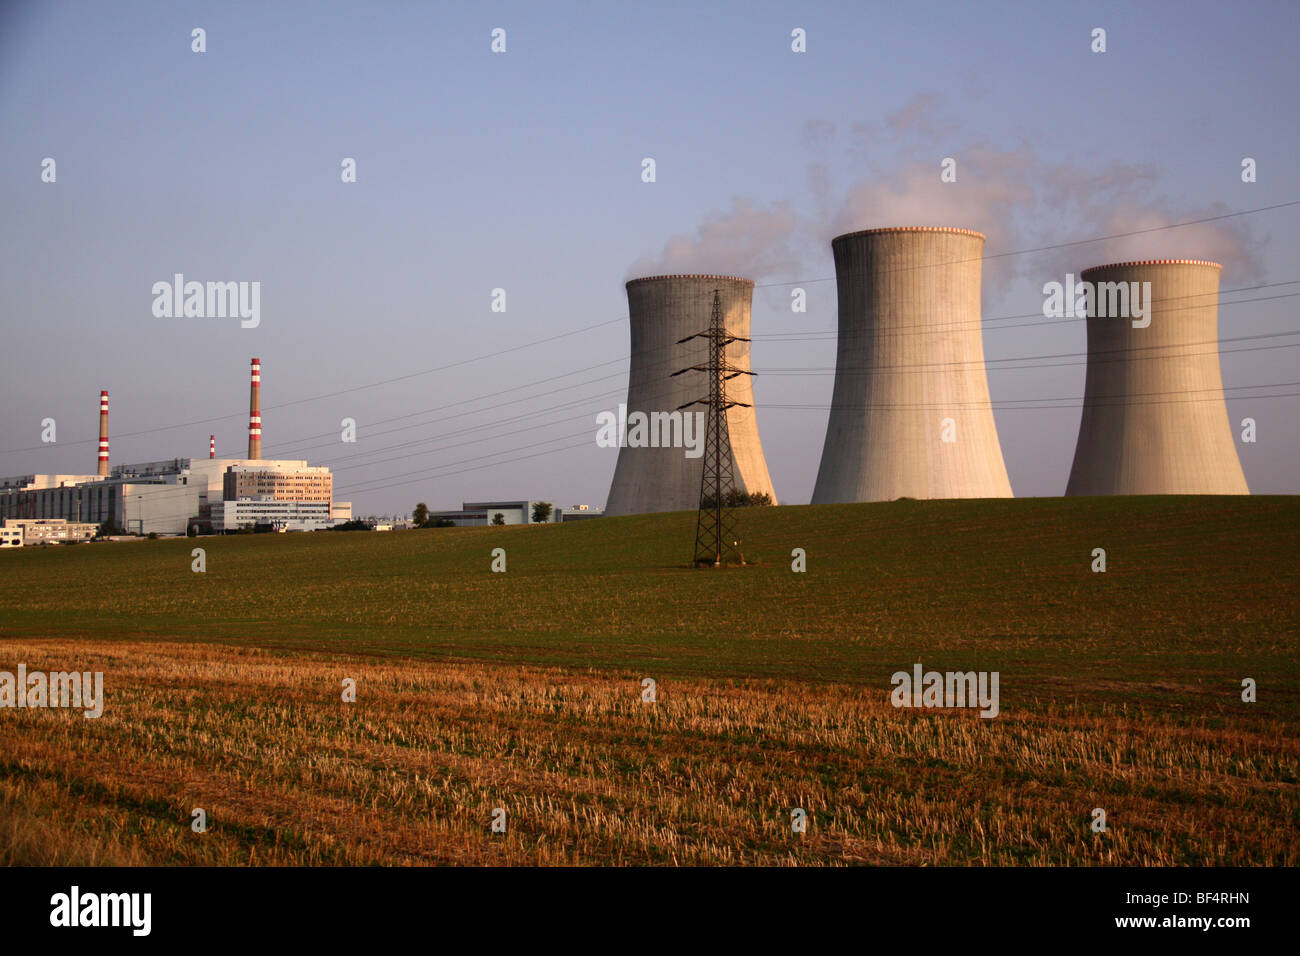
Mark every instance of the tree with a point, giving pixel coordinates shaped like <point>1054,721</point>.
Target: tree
<point>498,518</point>
<point>741,499</point>
<point>420,515</point>
<point>108,527</point>
<point>542,511</point>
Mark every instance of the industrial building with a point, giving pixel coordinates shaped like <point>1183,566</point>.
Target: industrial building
<point>268,512</point>
<point>1154,418</point>
<point>910,413</point>
<point>31,531</point>
<point>161,503</point>
<point>480,513</point>
<point>296,484</point>
<point>663,310</point>
<point>175,495</point>
<point>576,513</point>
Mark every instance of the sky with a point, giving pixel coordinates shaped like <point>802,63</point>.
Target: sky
<point>522,171</point>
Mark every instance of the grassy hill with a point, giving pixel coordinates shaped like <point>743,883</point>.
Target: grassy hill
<point>1119,689</point>
<point>1208,585</point>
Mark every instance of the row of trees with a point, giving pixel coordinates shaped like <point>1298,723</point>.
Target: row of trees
<point>356,524</point>
<point>741,499</point>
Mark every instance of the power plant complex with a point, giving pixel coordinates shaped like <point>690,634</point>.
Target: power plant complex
<point>662,312</point>
<point>177,495</point>
<point>911,415</point>
<point>1154,417</point>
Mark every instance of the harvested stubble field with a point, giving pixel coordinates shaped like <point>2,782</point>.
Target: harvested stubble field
<point>522,691</point>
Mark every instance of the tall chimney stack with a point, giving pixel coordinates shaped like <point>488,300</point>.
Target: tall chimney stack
<point>255,413</point>
<point>212,446</point>
<point>103,434</point>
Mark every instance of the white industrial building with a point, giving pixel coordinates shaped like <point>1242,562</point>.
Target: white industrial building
<point>163,504</point>
<point>479,513</point>
<point>265,511</point>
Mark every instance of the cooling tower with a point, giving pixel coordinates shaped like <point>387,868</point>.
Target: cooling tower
<point>661,311</point>
<point>255,413</point>
<point>103,434</point>
<point>1154,419</point>
<point>910,414</point>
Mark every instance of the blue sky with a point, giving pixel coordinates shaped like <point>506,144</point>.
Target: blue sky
<point>522,171</point>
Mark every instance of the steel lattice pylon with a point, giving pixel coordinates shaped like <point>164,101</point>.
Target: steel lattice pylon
<point>717,532</point>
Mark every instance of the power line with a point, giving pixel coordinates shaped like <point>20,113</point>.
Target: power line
<point>766,405</point>
<point>823,370</point>
<point>428,474</point>
<point>466,401</point>
<point>361,485</point>
<point>615,375</point>
<point>344,391</point>
<point>369,461</point>
<point>561,335</point>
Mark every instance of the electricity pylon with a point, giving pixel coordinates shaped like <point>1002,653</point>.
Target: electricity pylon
<point>717,533</point>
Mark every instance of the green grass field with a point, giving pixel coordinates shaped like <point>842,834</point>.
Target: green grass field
<point>1198,594</point>
<point>1198,587</point>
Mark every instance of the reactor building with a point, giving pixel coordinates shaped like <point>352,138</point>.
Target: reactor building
<point>1154,418</point>
<point>663,310</point>
<point>910,412</point>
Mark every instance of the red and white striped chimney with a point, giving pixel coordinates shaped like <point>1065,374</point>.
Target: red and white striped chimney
<point>103,434</point>
<point>255,413</point>
<point>212,446</point>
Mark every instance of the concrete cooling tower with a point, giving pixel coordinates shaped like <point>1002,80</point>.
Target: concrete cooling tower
<point>910,414</point>
<point>1154,418</point>
<point>663,310</point>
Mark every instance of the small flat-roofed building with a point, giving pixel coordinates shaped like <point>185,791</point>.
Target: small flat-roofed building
<point>49,530</point>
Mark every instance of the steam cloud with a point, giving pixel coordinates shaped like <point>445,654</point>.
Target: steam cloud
<point>1019,200</point>
<point>746,240</point>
